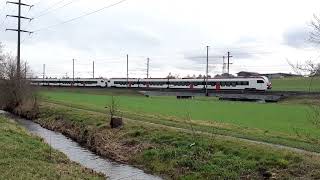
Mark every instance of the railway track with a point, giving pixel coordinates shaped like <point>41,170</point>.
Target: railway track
<point>250,92</point>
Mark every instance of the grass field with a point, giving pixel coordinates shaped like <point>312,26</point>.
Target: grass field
<point>23,156</point>
<point>285,123</point>
<point>176,154</point>
<point>282,118</point>
<point>296,84</point>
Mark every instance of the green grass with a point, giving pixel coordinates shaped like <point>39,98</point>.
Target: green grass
<point>296,84</point>
<point>179,155</point>
<point>281,118</point>
<point>285,123</point>
<point>23,156</point>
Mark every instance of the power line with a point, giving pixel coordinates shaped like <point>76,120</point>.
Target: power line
<point>50,11</point>
<point>37,3</point>
<point>79,17</point>
<point>52,6</point>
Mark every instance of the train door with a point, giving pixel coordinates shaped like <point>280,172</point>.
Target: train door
<point>218,86</point>
<point>191,86</point>
<point>260,84</point>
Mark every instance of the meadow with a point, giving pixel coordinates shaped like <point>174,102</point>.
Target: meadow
<point>179,139</point>
<point>176,153</point>
<point>285,123</point>
<point>296,84</point>
<point>269,117</point>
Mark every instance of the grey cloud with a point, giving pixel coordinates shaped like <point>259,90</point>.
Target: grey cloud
<point>296,37</point>
<point>218,54</point>
<point>94,34</point>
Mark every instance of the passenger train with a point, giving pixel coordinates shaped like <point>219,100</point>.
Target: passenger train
<point>238,83</point>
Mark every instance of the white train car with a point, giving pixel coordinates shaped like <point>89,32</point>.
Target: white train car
<point>238,83</point>
<point>70,82</point>
<point>122,83</point>
<point>139,83</point>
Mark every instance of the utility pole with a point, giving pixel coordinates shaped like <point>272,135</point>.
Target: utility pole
<point>19,17</point>
<point>207,71</point>
<point>44,72</point>
<point>127,70</point>
<point>93,69</point>
<point>224,67</point>
<point>148,63</point>
<point>72,71</point>
<point>229,62</point>
<point>25,70</point>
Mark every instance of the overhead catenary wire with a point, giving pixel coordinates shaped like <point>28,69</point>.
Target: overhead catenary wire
<point>51,6</point>
<point>37,3</point>
<point>79,17</point>
<point>58,8</point>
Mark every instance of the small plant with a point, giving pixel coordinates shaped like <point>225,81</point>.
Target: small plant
<point>115,122</point>
<point>189,122</point>
<point>113,107</point>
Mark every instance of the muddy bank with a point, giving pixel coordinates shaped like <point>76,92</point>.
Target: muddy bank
<point>103,141</point>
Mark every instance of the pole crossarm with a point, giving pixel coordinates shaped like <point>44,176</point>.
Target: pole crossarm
<point>17,3</point>
<point>19,30</point>
<point>22,17</point>
<point>30,32</point>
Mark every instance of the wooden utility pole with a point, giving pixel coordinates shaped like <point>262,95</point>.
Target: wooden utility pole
<point>44,72</point>
<point>224,67</point>
<point>19,17</point>
<point>148,63</point>
<point>207,71</point>
<point>229,62</point>
<point>127,70</point>
<point>72,71</point>
<point>93,69</point>
<point>25,70</point>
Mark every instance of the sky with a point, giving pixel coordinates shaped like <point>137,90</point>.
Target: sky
<point>261,36</point>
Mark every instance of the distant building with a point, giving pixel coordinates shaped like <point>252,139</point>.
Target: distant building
<point>280,75</point>
<point>247,74</point>
<point>224,75</point>
<point>269,75</point>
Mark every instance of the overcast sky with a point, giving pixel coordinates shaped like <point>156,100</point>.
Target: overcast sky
<point>261,36</point>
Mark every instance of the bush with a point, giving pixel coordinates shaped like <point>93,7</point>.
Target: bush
<point>16,93</point>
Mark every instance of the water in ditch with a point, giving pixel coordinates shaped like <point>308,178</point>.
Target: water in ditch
<point>112,170</point>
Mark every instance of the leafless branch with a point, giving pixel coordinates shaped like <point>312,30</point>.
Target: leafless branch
<point>315,33</point>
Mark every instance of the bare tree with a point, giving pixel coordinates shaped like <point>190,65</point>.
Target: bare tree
<point>315,33</point>
<point>311,69</point>
<point>16,93</point>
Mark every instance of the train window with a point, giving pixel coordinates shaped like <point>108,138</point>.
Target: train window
<point>212,83</point>
<point>223,83</point>
<point>260,81</point>
<point>244,83</point>
<point>228,83</point>
<point>234,84</point>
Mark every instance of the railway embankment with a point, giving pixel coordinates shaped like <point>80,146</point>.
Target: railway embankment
<point>175,154</point>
